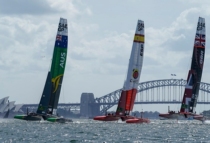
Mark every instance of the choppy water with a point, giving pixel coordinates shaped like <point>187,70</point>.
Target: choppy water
<point>83,130</point>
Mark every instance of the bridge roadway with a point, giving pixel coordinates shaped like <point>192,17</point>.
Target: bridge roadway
<point>107,101</point>
<point>59,105</point>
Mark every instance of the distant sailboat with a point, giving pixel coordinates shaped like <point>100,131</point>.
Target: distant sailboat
<point>49,100</point>
<point>128,94</point>
<point>191,92</point>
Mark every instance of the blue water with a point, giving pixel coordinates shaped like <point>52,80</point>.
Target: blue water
<point>89,131</point>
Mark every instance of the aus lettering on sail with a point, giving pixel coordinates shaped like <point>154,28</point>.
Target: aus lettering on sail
<point>62,59</point>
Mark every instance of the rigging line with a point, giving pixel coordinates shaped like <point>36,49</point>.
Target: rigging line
<point>50,65</point>
<point>140,96</point>
<point>62,89</point>
<point>204,99</point>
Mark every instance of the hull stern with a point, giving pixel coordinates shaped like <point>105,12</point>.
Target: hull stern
<point>28,117</point>
<point>138,120</point>
<point>106,118</point>
<point>59,120</point>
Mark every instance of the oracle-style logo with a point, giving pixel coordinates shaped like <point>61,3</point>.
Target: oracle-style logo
<point>135,73</point>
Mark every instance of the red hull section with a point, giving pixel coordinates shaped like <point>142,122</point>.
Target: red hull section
<point>199,117</point>
<point>112,118</point>
<point>181,115</point>
<point>106,118</point>
<point>125,118</point>
<point>138,120</point>
<point>170,115</point>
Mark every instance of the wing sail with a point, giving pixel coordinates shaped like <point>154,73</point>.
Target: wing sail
<point>128,94</point>
<point>195,73</point>
<point>59,62</point>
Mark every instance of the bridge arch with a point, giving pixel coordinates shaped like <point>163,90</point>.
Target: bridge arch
<point>109,100</point>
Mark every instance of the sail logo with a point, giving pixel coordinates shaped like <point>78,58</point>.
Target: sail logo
<point>119,109</point>
<point>135,73</point>
<point>62,59</point>
<point>142,50</point>
<point>41,108</point>
<point>201,57</point>
<point>61,27</point>
<point>56,82</point>
<point>184,106</point>
<point>200,26</point>
<point>140,26</point>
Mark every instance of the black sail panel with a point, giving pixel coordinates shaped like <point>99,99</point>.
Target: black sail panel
<point>44,101</point>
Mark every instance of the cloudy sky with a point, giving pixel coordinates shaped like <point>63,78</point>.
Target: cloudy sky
<point>100,41</point>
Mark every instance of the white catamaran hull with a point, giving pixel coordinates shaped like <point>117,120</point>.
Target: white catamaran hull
<point>176,116</point>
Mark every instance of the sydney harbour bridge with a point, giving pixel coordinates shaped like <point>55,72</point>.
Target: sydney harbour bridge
<point>164,91</point>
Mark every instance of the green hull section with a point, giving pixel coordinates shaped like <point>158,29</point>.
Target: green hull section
<point>59,120</point>
<point>52,119</point>
<point>28,117</point>
<point>22,117</point>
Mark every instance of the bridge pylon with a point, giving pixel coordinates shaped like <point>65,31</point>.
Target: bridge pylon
<point>87,107</point>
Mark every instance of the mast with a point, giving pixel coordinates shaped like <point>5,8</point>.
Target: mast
<point>128,94</point>
<point>195,73</point>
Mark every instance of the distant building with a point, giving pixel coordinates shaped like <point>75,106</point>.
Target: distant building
<point>5,105</point>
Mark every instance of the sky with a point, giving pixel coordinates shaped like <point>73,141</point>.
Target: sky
<point>100,41</point>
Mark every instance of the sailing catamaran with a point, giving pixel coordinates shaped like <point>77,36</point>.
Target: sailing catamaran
<point>51,93</point>
<point>191,92</point>
<point>128,94</point>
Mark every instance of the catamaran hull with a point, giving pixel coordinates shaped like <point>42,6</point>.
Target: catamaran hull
<point>106,118</point>
<point>112,118</point>
<point>28,117</point>
<point>138,120</point>
<point>59,120</point>
<point>176,116</point>
<point>125,118</point>
<point>200,118</point>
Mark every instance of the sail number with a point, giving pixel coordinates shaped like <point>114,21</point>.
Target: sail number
<point>140,26</point>
<point>200,26</point>
<point>62,26</point>
<point>201,57</point>
<point>142,50</point>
